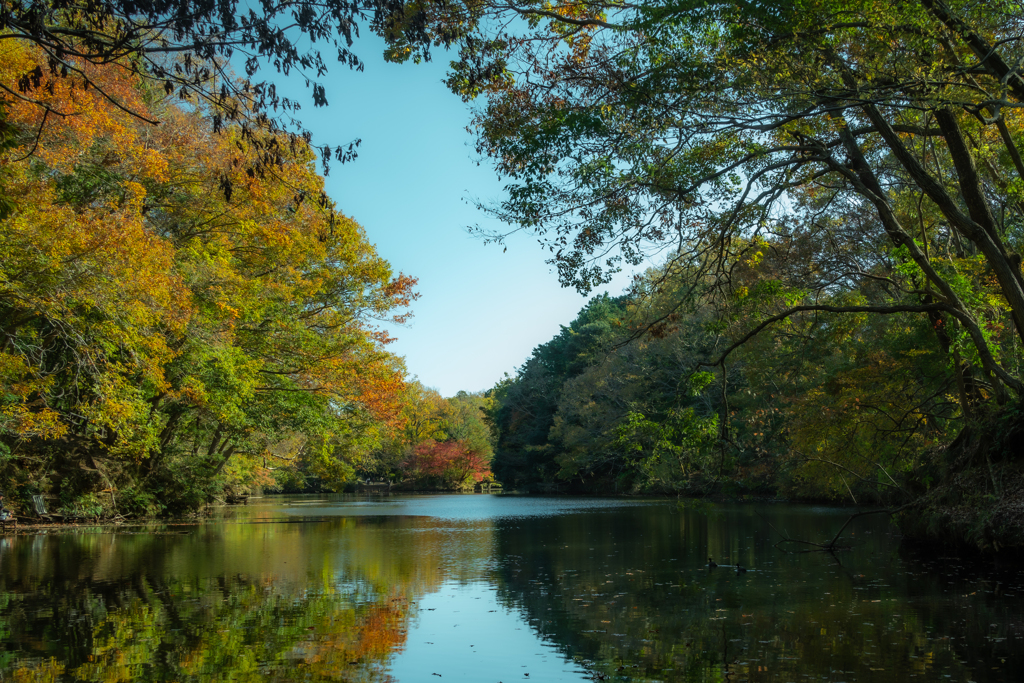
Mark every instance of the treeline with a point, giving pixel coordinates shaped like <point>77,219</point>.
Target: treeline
<point>630,398</point>
<point>678,388</point>
<point>184,314</point>
<point>834,189</point>
<point>436,444</point>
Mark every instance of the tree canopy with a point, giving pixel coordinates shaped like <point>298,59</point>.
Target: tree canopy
<point>170,317</point>
<point>843,172</point>
<point>718,129</point>
<point>191,50</point>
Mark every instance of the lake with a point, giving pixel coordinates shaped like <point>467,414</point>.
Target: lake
<point>503,588</point>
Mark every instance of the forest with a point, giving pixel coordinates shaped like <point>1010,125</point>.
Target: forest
<point>185,314</point>
<point>826,195</point>
<point>831,192</point>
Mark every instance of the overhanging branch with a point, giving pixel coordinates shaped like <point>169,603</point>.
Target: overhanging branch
<point>962,317</point>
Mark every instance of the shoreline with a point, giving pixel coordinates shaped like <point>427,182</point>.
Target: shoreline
<point>911,534</point>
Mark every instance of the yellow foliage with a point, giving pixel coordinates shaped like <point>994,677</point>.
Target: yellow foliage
<point>148,272</point>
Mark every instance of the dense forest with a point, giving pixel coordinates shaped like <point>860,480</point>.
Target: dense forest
<point>830,192</point>
<point>184,313</point>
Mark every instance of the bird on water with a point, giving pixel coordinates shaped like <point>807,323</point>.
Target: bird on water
<point>711,563</point>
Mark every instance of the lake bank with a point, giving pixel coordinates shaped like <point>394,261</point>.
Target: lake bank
<point>962,530</point>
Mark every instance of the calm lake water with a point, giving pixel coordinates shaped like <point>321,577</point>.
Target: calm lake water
<point>500,588</point>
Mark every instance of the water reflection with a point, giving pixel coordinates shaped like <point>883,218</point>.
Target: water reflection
<point>488,587</point>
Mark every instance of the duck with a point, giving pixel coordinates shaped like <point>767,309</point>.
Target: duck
<point>740,569</point>
<point>711,563</point>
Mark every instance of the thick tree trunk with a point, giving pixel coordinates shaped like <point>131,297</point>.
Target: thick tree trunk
<point>1011,284</point>
<point>988,57</point>
<point>227,456</point>
<point>864,181</point>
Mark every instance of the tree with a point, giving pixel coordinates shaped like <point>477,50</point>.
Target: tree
<point>804,165</point>
<point>717,127</point>
<point>420,412</point>
<point>169,315</point>
<point>187,49</point>
<point>526,405</point>
<point>464,419</point>
<point>447,464</point>
<point>432,422</point>
<point>854,409</point>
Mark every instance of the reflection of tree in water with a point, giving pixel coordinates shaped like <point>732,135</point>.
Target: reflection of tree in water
<point>234,628</point>
<point>626,588</point>
<point>272,601</point>
<point>612,594</point>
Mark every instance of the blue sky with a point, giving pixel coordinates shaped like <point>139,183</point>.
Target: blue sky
<point>413,188</point>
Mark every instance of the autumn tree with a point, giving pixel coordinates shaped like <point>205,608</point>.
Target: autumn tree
<point>169,314</point>
<point>421,411</point>
<point>455,427</point>
<point>465,418</point>
<point>189,50</point>
<point>871,148</point>
<point>447,464</point>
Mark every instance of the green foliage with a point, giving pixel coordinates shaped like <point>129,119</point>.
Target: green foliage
<point>835,190</point>
<point>85,506</point>
<point>170,316</point>
<point>527,404</point>
<point>8,141</point>
<point>676,444</point>
<point>815,407</point>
